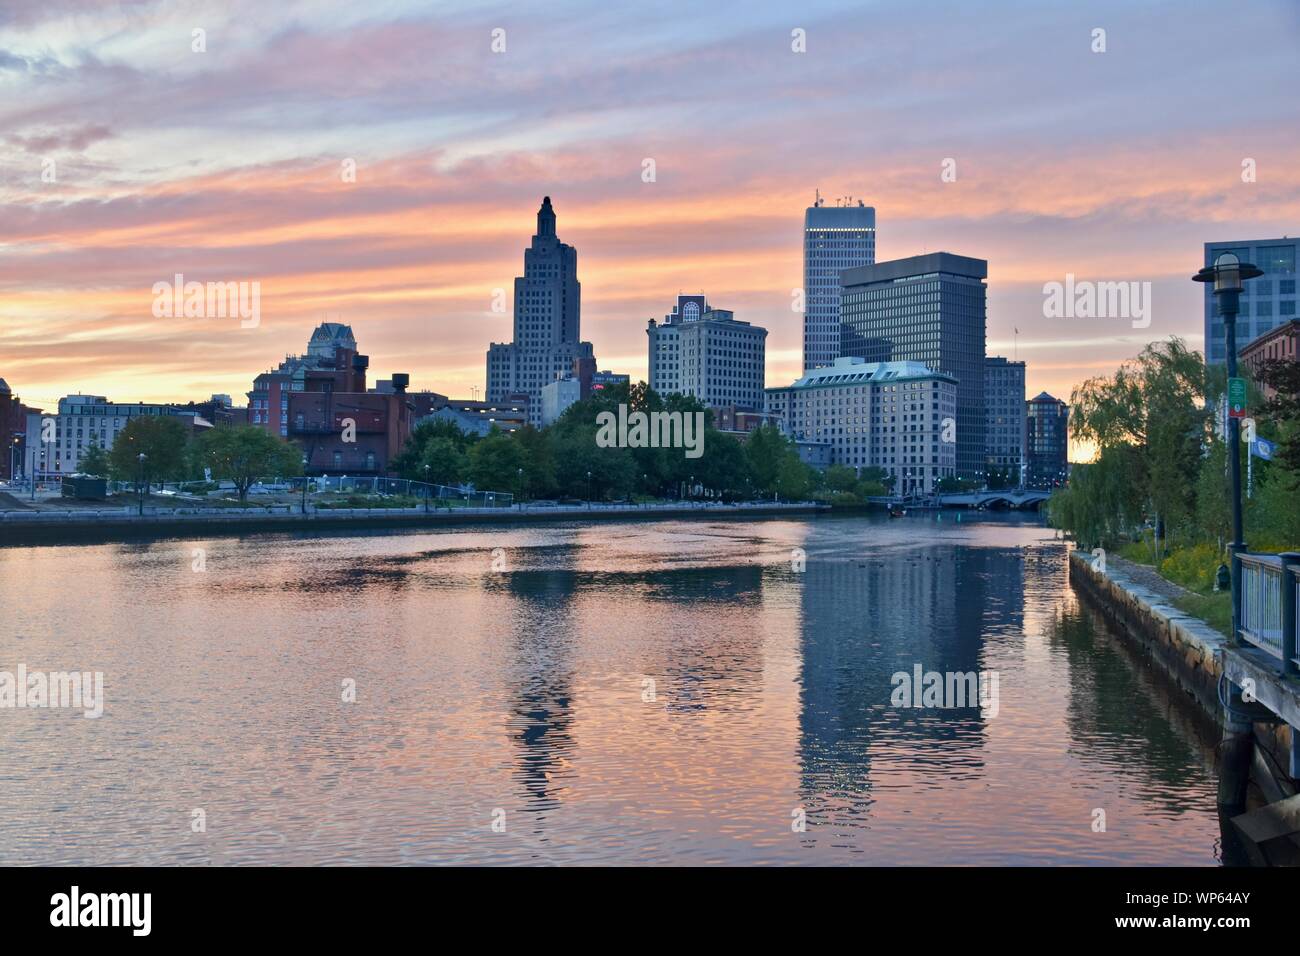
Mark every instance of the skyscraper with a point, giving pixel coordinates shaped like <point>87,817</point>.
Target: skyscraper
<point>1004,418</point>
<point>1266,302</point>
<point>1048,458</point>
<point>546,322</point>
<point>835,238</point>
<point>927,309</point>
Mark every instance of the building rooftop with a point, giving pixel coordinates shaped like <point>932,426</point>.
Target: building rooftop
<point>1286,328</point>
<point>930,264</point>
<point>851,370</point>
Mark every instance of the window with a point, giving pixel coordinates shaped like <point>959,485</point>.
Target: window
<point>1277,259</point>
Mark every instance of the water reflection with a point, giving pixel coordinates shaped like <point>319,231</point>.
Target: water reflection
<point>674,692</point>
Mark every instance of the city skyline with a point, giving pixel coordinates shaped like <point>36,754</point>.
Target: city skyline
<point>411,254</point>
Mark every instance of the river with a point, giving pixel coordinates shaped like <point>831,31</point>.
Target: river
<point>661,692</point>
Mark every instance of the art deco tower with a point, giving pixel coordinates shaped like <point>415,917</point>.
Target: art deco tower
<point>547,326</point>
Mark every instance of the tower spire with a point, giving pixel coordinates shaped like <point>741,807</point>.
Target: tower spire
<point>546,218</point>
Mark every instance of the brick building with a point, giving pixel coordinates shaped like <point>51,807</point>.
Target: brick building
<point>320,402</point>
<point>13,432</point>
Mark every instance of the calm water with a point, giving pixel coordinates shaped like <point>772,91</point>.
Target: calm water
<point>520,693</point>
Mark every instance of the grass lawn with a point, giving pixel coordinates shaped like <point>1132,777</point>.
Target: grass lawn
<point>1214,609</point>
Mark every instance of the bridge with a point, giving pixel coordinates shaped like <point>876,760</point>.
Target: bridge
<point>1019,499</point>
<point>1011,499</point>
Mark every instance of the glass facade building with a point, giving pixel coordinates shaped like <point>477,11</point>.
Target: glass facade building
<point>835,238</point>
<point>1048,461</point>
<point>928,309</point>
<point>1004,418</point>
<point>1266,302</point>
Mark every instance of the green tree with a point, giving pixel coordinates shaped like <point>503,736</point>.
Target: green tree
<point>410,461</point>
<point>443,462</point>
<point>840,478</point>
<point>794,479</point>
<point>495,462</point>
<point>1155,408</point>
<point>161,439</point>
<point>245,453</point>
<point>724,466</point>
<point>539,462</point>
<point>95,462</point>
<point>766,450</point>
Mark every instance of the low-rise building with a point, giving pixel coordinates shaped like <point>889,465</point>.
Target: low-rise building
<point>56,443</point>
<point>13,432</point>
<point>1280,344</point>
<point>319,400</point>
<point>557,396</point>
<point>479,418</point>
<point>897,416</point>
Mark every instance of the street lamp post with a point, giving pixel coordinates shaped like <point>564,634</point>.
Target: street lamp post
<point>426,489</point>
<point>140,485</point>
<point>1227,274</point>
<point>588,491</point>
<point>304,484</point>
<point>519,487</point>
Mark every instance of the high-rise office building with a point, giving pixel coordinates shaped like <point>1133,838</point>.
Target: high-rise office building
<point>886,415</point>
<point>835,238</point>
<point>708,353</point>
<point>547,322</point>
<point>928,309</point>
<point>1047,458</point>
<point>1004,418</point>
<point>1266,302</point>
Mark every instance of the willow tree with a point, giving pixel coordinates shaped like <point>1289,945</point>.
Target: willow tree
<point>1150,422</point>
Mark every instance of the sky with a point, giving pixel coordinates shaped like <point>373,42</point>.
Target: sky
<point>128,156</point>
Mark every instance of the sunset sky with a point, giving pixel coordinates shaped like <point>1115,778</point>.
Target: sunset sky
<point>225,165</point>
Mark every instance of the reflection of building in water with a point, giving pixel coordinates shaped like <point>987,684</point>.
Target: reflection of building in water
<point>866,618</point>
<point>541,683</point>
<point>1120,715</point>
<point>710,648</point>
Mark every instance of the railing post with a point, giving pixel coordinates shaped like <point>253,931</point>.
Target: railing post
<point>1289,559</point>
<point>1236,600</point>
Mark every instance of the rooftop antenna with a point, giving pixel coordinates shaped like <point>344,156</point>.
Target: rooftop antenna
<point>818,201</point>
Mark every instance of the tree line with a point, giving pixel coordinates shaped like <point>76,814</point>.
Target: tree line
<point>242,454</point>
<point>565,460</point>
<point>1160,472</point>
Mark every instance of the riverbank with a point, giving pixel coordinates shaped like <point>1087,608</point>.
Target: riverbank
<point>32,527</point>
<point>1144,608</point>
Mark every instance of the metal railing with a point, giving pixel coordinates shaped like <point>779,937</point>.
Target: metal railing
<point>447,494</point>
<point>1270,592</point>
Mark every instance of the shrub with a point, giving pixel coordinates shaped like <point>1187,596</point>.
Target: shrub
<point>1194,568</point>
